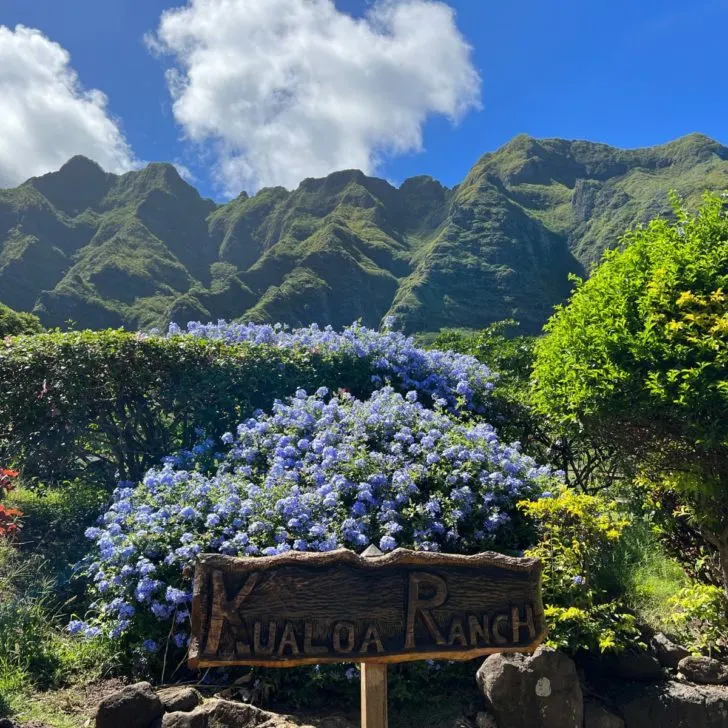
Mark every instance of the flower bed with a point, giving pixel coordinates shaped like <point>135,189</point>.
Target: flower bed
<point>317,473</point>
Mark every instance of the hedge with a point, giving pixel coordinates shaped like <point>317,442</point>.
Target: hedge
<point>118,402</point>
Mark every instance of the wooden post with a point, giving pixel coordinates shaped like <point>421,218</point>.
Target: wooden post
<point>373,695</point>
<point>373,681</point>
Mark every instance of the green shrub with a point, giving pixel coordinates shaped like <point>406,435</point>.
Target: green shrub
<point>578,536</point>
<point>599,627</point>
<point>116,402</point>
<point>638,360</point>
<point>587,463</point>
<point>55,518</point>
<point>697,616</point>
<point>13,323</point>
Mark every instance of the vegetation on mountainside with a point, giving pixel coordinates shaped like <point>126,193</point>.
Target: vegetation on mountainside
<point>143,249</point>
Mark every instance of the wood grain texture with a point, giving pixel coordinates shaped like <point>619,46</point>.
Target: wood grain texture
<point>308,608</point>
<point>374,696</point>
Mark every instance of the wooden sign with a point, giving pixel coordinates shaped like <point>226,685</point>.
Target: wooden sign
<point>308,608</point>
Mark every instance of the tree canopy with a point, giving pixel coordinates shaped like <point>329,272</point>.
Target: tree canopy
<point>639,353</point>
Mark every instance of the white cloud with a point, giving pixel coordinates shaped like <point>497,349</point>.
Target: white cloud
<point>185,172</point>
<point>46,116</point>
<point>287,89</point>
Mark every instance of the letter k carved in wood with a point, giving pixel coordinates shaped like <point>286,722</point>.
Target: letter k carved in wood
<point>225,609</point>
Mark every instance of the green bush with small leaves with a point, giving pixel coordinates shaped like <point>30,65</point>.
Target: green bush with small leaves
<point>698,617</point>
<point>638,359</point>
<point>13,323</point>
<point>578,533</point>
<point>115,403</point>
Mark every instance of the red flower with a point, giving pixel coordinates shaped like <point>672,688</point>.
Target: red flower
<point>5,476</point>
<point>9,521</point>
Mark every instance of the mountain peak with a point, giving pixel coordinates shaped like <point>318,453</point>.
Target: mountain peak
<point>693,146</point>
<point>79,184</point>
<point>154,179</point>
<point>333,182</point>
<point>79,164</point>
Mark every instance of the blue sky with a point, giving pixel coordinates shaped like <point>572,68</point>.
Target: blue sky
<point>623,72</point>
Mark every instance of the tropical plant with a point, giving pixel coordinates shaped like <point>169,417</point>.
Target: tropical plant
<point>315,474</point>
<point>638,358</point>
<point>578,534</point>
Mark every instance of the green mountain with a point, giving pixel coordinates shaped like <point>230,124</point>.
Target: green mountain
<point>144,248</point>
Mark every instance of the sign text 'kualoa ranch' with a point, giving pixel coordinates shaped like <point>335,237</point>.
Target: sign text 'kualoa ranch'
<point>307,608</point>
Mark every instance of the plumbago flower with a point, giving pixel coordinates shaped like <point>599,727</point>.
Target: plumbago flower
<point>453,380</point>
<point>315,474</point>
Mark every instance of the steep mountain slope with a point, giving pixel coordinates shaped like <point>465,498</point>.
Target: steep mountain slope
<point>145,248</point>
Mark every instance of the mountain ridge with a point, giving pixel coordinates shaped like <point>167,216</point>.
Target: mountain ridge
<point>145,248</point>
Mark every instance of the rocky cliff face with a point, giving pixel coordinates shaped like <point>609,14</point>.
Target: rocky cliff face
<point>144,248</point>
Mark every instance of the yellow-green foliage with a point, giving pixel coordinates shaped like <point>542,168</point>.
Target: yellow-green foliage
<point>578,534</point>
<point>697,615</point>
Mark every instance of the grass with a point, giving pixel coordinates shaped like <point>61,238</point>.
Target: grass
<point>644,576</point>
<point>37,658</point>
<point>42,667</point>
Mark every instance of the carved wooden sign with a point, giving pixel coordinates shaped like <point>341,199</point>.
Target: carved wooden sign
<point>305,608</point>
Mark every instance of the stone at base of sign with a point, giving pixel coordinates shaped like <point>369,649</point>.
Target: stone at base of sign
<point>533,691</point>
<point>311,608</point>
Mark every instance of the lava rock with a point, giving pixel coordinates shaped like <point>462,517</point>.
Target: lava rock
<point>135,706</point>
<point>485,720</point>
<point>672,704</point>
<point>597,715</point>
<point>533,691</point>
<point>703,670</point>
<point>185,719</point>
<point>668,653</point>
<point>639,666</point>
<point>180,698</point>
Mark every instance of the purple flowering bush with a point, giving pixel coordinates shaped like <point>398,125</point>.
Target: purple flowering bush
<point>456,381</point>
<point>317,473</point>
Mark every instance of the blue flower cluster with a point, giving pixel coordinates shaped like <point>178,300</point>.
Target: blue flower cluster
<point>317,473</point>
<point>452,380</point>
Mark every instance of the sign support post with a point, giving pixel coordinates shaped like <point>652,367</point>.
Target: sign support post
<point>373,681</point>
<point>373,695</point>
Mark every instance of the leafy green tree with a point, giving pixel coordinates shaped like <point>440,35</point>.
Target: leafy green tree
<point>638,358</point>
<point>588,464</point>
